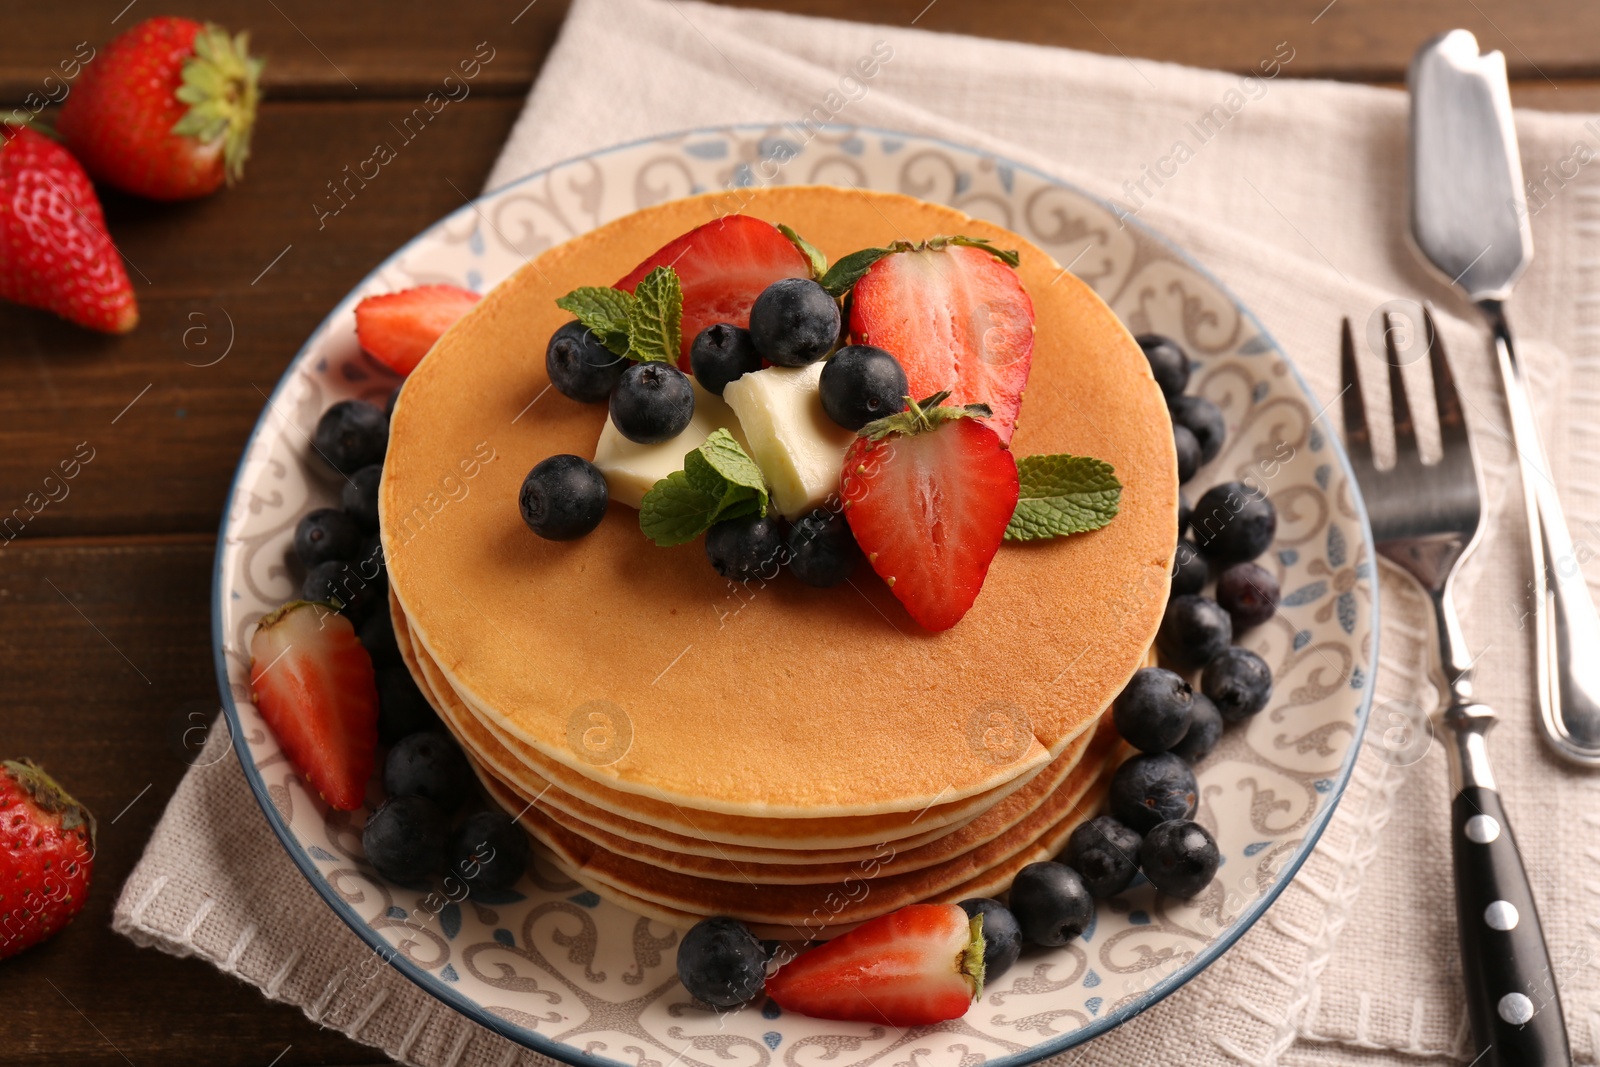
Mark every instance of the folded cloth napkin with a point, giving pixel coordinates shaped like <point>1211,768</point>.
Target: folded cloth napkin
<point>1291,192</point>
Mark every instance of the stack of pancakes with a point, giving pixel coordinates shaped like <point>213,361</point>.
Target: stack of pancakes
<point>802,759</point>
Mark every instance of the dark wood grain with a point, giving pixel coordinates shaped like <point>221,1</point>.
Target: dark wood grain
<point>165,464</point>
<point>104,648</point>
<point>327,49</point>
<point>104,615</point>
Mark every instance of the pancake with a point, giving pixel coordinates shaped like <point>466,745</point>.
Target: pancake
<point>804,912</point>
<point>573,812</point>
<point>807,704</point>
<point>636,815</point>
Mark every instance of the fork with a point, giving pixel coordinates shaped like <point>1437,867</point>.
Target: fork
<point>1426,519</point>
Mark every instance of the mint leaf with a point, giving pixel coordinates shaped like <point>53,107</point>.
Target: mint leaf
<point>656,318</point>
<point>1063,495</point>
<point>813,254</point>
<point>604,312</point>
<point>844,274</point>
<point>718,481</point>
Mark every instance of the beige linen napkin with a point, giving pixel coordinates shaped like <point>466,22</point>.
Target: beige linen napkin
<point>1293,194</point>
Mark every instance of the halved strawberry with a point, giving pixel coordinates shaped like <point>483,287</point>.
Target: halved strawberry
<point>723,266</point>
<point>314,684</point>
<point>928,494</point>
<point>956,318</point>
<point>920,965</point>
<point>398,329</point>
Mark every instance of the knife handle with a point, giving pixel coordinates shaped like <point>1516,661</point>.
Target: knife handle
<point>1511,988</point>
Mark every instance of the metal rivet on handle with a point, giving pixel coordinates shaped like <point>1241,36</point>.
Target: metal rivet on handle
<point>1516,1009</point>
<point>1482,829</point>
<point>1501,915</point>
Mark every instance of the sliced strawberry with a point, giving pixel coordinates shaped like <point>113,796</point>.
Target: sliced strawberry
<point>920,965</point>
<point>398,329</point>
<point>928,494</point>
<point>956,318</point>
<point>314,684</point>
<point>723,266</point>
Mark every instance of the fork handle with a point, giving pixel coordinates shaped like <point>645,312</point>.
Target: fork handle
<point>1511,987</point>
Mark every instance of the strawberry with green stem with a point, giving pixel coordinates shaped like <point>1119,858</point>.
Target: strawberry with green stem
<point>928,494</point>
<point>166,110</point>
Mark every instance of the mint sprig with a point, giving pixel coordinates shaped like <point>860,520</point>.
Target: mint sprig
<point>718,481</point>
<point>645,325</point>
<point>1061,495</point>
<point>843,275</point>
<point>603,311</point>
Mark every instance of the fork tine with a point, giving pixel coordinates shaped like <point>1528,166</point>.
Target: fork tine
<point>1357,441</point>
<point>1452,421</point>
<point>1405,431</point>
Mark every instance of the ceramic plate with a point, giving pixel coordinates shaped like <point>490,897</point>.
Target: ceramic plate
<point>553,967</point>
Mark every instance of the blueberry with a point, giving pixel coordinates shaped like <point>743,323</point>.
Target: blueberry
<point>1204,420</point>
<point>1188,449</point>
<point>1238,682</point>
<point>360,497</point>
<point>1147,790</point>
<point>580,367</point>
<point>402,709</point>
<point>405,839</point>
<point>861,384</point>
<point>326,534</point>
<point>721,963</point>
<point>1152,711</point>
<point>1190,570</point>
<point>1193,632</point>
<point>489,851</point>
<point>1205,730</point>
<point>746,549</point>
<point>371,560</point>
<point>1002,937</point>
<point>341,584</point>
<point>1168,362</point>
<point>794,322</point>
<point>377,637</point>
<point>652,402</point>
<point>1233,522</point>
<point>351,434</point>
<point>431,765</point>
<point>1185,510</point>
<point>1105,854</point>
<point>1248,593</point>
<point>822,550</point>
<point>722,353</point>
<point>563,498</point>
<point>394,398</point>
<point>1051,903</point>
<point>1180,858</point>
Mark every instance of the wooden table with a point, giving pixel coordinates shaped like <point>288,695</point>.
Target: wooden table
<point>105,649</point>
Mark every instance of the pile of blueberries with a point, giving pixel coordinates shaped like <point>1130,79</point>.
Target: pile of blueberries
<point>793,323</point>
<point>1154,794</point>
<point>410,837</point>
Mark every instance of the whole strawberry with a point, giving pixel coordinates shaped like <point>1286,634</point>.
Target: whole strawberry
<point>54,252</point>
<point>46,856</point>
<point>166,110</point>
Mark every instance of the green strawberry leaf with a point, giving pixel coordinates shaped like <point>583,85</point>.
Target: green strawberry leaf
<point>1010,257</point>
<point>1061,495</point>
<point>843,275</point>
<point>604,311</point>
<point>655,320</point>
<point>718,481</point>
<point>813,254</point>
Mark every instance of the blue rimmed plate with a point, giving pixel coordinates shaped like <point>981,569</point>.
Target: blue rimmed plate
<point>555,968</point>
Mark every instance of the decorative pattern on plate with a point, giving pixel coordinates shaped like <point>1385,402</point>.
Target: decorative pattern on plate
<point>557,969</point>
